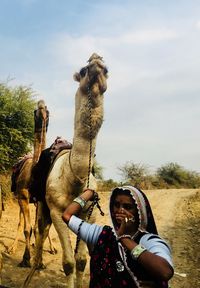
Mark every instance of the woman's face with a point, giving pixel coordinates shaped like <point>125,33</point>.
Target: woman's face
<point>124,206</point>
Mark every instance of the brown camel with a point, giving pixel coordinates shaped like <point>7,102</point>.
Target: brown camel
<point>71,172</point>
<point>41,116</point>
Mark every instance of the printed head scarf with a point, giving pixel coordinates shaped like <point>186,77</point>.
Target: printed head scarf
<point>146,219</point>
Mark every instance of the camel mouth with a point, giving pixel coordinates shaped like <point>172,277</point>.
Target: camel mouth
<point>93,71</point>
<point>93,76</point>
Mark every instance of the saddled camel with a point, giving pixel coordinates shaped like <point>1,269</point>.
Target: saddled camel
<point>41,117</point>
<point>71,172</point>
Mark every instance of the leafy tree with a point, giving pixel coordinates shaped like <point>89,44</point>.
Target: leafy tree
<point>170,175</point>
<point>174,175</point>
<point>193,179</point>
<point>134,173</point>
<point>97,170</point>
<point>16,123</point>
<point>107,185</point>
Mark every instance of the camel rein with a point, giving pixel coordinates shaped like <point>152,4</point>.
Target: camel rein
<point>96,197</point>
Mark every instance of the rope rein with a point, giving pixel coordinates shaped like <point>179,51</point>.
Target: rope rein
<point>96,197</point>
<point>90,134</point>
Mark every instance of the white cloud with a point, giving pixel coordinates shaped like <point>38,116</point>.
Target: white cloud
<point>148,36</point>
<point>198,25</point>
<point>152,103</point>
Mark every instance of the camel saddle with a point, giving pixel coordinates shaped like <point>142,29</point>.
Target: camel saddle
<point>40,171</point>
<point>16,170</point>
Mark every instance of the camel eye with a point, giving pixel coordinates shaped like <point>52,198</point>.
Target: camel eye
<point>105,70</point>
<point>83,71</point>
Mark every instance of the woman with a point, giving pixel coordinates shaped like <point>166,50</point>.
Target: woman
<point>128,254</point>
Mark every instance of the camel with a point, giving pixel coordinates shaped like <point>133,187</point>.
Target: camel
<point>23,180</point>
<point>71,172</point>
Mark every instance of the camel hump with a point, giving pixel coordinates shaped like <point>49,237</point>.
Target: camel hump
<point>16,171</point>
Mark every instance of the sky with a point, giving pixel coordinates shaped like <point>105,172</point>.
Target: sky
<point>152,52</point>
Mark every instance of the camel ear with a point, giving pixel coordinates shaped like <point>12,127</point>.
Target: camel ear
<point>77,77</point>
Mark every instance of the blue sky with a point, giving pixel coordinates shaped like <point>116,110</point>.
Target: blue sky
<point>151,48</point>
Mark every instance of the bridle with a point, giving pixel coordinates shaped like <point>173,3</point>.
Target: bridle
<point>96,199</point>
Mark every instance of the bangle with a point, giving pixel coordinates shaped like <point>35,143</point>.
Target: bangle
<point>95,195</point>
<point>82,202</point>
<point>124,236</point>
<point>137,251</point>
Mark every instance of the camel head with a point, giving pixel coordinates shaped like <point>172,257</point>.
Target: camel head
<point>42,108</point>
<point>41,104</point>
<point>93,76</point>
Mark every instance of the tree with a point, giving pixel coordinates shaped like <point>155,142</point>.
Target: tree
<point>174,175</point>
<point>16,123</point>
<point>134,173</point>
<point>107,185</point>
<point>97,170</point>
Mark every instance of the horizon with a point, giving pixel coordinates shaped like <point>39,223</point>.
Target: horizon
<point>151,49</point>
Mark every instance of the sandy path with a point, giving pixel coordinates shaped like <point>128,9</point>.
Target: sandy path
<point>177,214</point>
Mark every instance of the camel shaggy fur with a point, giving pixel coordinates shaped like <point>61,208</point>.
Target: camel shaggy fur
<point>69,175</point>
<point>23,181</point>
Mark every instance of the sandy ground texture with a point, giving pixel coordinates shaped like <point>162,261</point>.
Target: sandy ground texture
<point>177,214</point>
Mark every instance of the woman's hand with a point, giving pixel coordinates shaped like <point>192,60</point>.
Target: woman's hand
<point>127,225</point>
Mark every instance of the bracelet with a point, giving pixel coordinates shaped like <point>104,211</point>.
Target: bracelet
<point>82,202</point>
<point>137,251</point>
<point>95,194</point>
<point>124,236</point>
<point>88,189</point>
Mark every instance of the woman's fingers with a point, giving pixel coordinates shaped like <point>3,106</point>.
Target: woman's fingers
<point>126,216</point>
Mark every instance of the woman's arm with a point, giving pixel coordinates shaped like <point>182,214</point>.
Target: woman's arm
<point>157,266</point>
<point>153,255</point>
<point>87,232</point>
<point>78,203</point>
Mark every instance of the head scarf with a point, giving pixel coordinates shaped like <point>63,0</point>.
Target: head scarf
<point>111,256</point>
<point>146,219</point>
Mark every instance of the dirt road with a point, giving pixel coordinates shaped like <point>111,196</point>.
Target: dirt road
<point>177,214</point>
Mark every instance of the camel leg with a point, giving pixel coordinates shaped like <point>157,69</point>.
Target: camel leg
<point>52,249</point>
<point>24,206</point>
<point>43,224</point>
<point>13,247</point>
<point>82,252</point>
<point>68,256</point>
<point>81,261</point>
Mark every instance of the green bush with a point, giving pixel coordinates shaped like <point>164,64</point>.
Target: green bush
<point>16,123</point>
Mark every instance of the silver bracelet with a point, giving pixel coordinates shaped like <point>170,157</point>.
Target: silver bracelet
<point>82,202</point>
<point>137,251</point>
<point>123,236</point>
